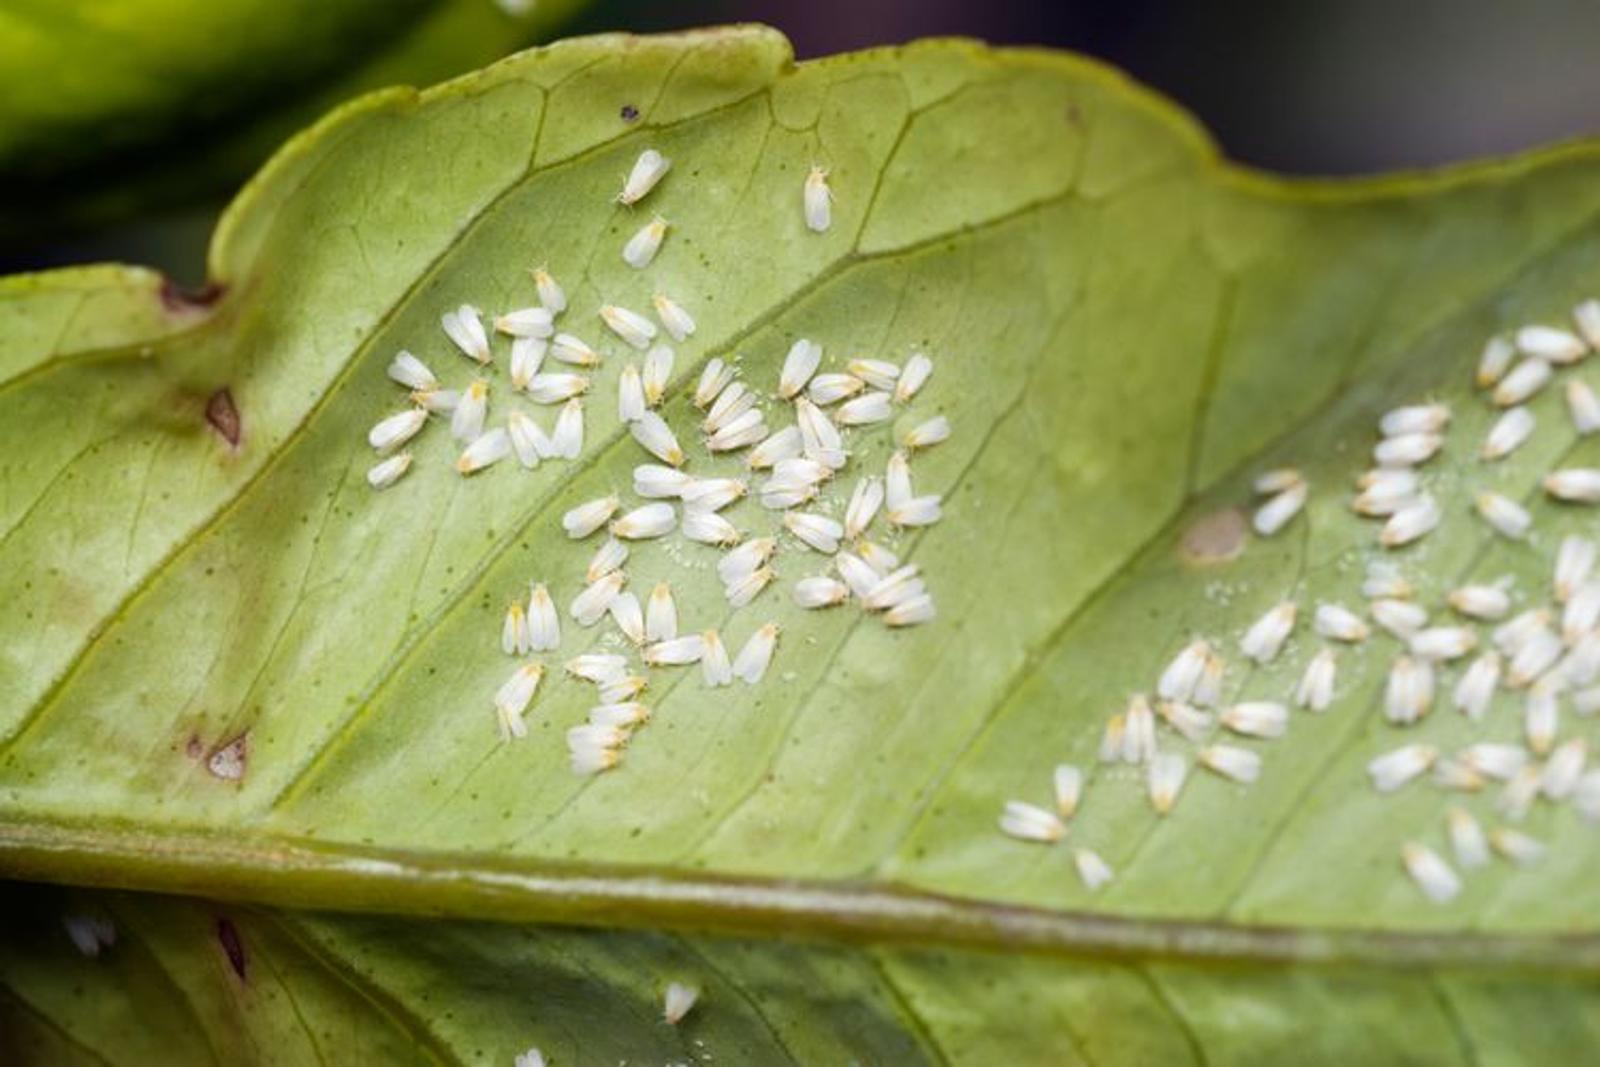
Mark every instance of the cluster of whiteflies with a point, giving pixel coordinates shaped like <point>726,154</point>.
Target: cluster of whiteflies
<point>799,461</point>
<point>796,464</point>
<point>547,366</point>
<point>1545,654</point>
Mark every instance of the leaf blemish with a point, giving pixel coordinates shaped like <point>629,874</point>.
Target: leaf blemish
<point>232,947</point>
<point>1214,538</point>
<point>223,416</point>
<point>180,301</point>
<point>228,761</point>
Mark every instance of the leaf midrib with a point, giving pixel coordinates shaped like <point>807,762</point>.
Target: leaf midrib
<point>300,872</point>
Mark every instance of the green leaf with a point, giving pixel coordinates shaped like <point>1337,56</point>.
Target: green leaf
<point>178,101</point>
<point>1125,330</point>
<point>383,990</point>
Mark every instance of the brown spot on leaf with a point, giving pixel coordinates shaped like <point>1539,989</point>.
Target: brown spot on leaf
<point>195,747</point>
<point>180,301</point>
<point>224,416</point>
<point>1215,538</point>
<point>228,762</point>
<point>629,113</point>
<point>228,938</point>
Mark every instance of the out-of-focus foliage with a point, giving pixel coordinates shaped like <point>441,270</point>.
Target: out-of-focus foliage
<point>107,108</point>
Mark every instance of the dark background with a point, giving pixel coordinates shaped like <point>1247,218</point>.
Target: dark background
<point>1331,87</point>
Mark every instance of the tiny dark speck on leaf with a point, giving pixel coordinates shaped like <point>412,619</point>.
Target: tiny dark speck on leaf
<point>228,937</point>
<point>223,416</point>
<point>629,112</point>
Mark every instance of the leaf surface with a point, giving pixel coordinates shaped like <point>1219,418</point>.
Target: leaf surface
<point>1124,331</point>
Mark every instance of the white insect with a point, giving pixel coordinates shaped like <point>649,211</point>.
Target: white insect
<point>1575,560</point>
<point>817,531</point>
<point>1475,690</point>
<point>1584,407</point>
<point>678,1001</point>
<point>590,606</point>
<point>1258,718</point>
<point>865,500</point>
<point>1575,485</point>
<point>567,439</point>
<point>1338,623</point>
<point>913,376</point>
<point>630,395</point>
<point>657,373</point>
<point>715,667</point>
<point>464,327</point>
<point>527,358</point>
<point>551,295</point>
<point>709,528</point>
<point>1508,433</point>
<point>1516,846</point>
<point>490,448</point>
<point>466,422</point>
<point>1467,840</point>
<point>644,523</point>
<point>1394,769</point>
<point>1430,872</point>
<point>1068,783</point>
<point>818,200</point>
<point>514,637</point>
<point>675,651</point>
<point>1029,822</point>
<point>656,437</point>
<point>574,351</point>
<point>1315,691</point>
<point>1275,514</point>
<point>1443,643</point>
<point>864,410</point>
<point>1414,418</point>
<point>1552,344</point>
<point>1408,694</point>
<point>544,625</point>
<point>581,521</point>
<point>820,591</point>
<point>556,388</point>
<point>1525,379</point>
<point>753,659</point>
<point>1496,359</point>
<point>661,614</point>
<point>1407,450</point>
<point>647,170</point>
<point>712,494</point>
<point>713,379</point>
<point>386,473</point>
<point>1410,523</point>
<point>1165,779</point>
<point>678,323</point>
<point>926,434</point>
<point>631,326</point>
<point>1481,601</point>
<point>1230,761</point>
<point>798,367</point>
<point>395,430</point>
<point>526,322</point>
<point>642,247</point>
<point>412,373</point>
<point>1265,638</point>
<point>1093,871</point>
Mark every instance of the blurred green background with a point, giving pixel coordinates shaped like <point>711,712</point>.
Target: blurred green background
<point>1334,87</point>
